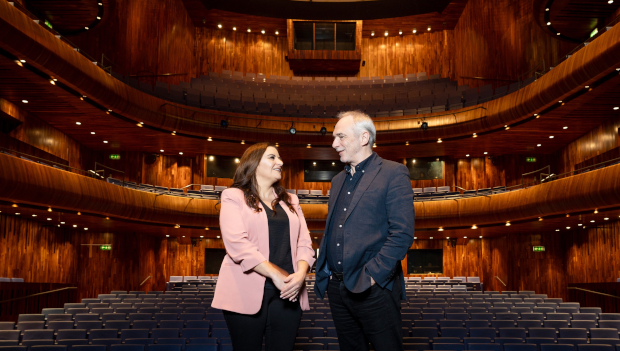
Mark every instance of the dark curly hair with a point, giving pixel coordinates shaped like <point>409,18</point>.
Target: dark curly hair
<point>245,179</point>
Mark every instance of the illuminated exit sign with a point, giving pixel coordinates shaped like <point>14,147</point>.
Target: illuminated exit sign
<point>530,159</point>
<point>115,157</point>
<point>539,248</point>
<point>105,247</point>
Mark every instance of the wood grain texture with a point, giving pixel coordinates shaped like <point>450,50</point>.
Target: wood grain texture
<point>10,311</point>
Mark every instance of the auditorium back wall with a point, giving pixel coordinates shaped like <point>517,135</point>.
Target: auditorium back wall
<point>49,254</point>
<point>493,39</point>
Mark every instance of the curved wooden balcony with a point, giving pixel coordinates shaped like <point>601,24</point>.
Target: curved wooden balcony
<point>25,182</point>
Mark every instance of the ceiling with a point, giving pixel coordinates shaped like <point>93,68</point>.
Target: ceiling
<point>574,20</point>
<point>68,17</point>
<point>204,17</point>
<point>97,223</point>
<point>332,10</point>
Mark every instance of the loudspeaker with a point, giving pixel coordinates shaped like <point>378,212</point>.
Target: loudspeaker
<point>150,158</point>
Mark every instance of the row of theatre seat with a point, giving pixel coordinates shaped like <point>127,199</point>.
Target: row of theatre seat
<point>12,280</point>
<point>298,97</point>
<point>427,322</point>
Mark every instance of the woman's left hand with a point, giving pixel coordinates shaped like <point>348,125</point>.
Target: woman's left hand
<point>293,285</point>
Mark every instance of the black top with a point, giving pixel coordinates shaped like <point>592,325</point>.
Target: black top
<point>335,234</point>
<point>279,240</point>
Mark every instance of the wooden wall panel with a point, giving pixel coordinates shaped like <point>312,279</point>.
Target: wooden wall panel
<point>218,50</point>
<point>144,36</point>
<point>593,143</point>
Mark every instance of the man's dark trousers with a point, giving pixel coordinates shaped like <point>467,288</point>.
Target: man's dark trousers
<point>371,316</point>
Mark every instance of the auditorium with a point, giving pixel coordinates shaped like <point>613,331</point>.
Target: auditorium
<point>128,128</point>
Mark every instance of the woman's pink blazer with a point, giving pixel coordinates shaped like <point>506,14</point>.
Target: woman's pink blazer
<point>246,238</point>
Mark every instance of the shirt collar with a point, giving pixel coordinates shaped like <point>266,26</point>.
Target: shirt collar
<point>360,166</point>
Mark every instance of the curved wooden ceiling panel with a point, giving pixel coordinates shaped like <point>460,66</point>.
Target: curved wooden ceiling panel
<point>27,40</point>
<point>30,183</point>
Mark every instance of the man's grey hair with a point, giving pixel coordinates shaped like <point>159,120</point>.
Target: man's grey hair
<point>362,122</point>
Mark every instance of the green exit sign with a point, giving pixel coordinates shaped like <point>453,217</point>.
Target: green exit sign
<point>539,248</point>
<point>115,157</point>
<point>105,247</point>
<point>530,159</point>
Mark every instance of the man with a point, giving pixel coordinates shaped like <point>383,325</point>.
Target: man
<point>368,231</point>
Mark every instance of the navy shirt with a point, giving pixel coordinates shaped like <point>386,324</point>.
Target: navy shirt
<point>335,234</point>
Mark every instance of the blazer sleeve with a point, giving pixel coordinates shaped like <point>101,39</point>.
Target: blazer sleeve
<point>400,215</point>
<point>305,252</point>
<point>235,235</point>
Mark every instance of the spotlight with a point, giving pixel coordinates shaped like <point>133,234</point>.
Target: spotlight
<point>439,141</point>
<point>400,32</point>
<point>429,28</point>
<point>292,129</point>
<point>242,142</point>
<point>386,33</point>
<point>474,227</point>
<point>219,26</point>
<point>277,33</point>
<point>249,30</point>
<point>262,31</point>
<point>548,23</point>
<point>424,125</point>
<point>374,145</point>
<point>440,229</point>
<point>323,131</point>
<point>372,34</point>
<point>234,28</point>
<point>49,209</point>
<point>224,123</point>
<point>415,30</point>
<point>209,139</point>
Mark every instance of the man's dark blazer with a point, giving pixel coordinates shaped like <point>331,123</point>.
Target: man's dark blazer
<point>378,228</point>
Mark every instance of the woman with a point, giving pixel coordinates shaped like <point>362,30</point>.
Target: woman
<point>261,286</point>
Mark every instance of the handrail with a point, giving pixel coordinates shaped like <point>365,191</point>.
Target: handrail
<point>227,114</point>
<point>458,187</point>
<point>572,52</point>
<point>110,168</point>
<point>548,167</point>
<point>593,292</point>
<point>147,278</point>
<point>44,160</point>
<point>38,294</point>
<point>496,277</point>
<point>483,78</point>
<point>187,186</point>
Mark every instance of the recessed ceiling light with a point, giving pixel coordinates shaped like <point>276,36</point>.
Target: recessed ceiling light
<point>565,127</point>
<point>587,86</point>
<point>181,153</point>
<point>539,145</point>
<point>184,236</point>
<point>202,236</point>
<point>219,26</point>
<point>75,226</point>
<point>464,237</point>
<point>62,222</point>
<point>167,236</point>
<point>218,236</point>
<point>415,30</point>
<point>277,32</point>
<point>439,141</point>
<point>93,133</point>
<point>448,238</point>
<point>480,237</point>
<point>85,228</point>
<point>592,221</point>
<point>606,218</point>
<point>580,224</point>
<point>249,30</point>
<point>616,108</point>
<point>547,9</point>
<point>25,101</point>
<point>551,137</point>
<point>431,238</point>
<point>400,32</point>
<point>161,150</point>
<point>467,155</point>
<point>105,141</point>
<point>557,230</point>
<point>262,31</point>
<point>567,227</point>
<point>209,139</point>
<point>610,2</point>
<point>440,229</point>
<point>78,123</point>
<point>474,227</point>
<point>386,33</point>
<point>485,153</point>
<point>234,28</point>
<point>508,224</point>
<point>372,34</point>
<point>17,214</point>
<point>34,215</point>
<point>548,23</point>
<point>429,28</point>
<point>558,33</point>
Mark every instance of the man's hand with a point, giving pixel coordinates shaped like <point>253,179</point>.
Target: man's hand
<point>372,281</point>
